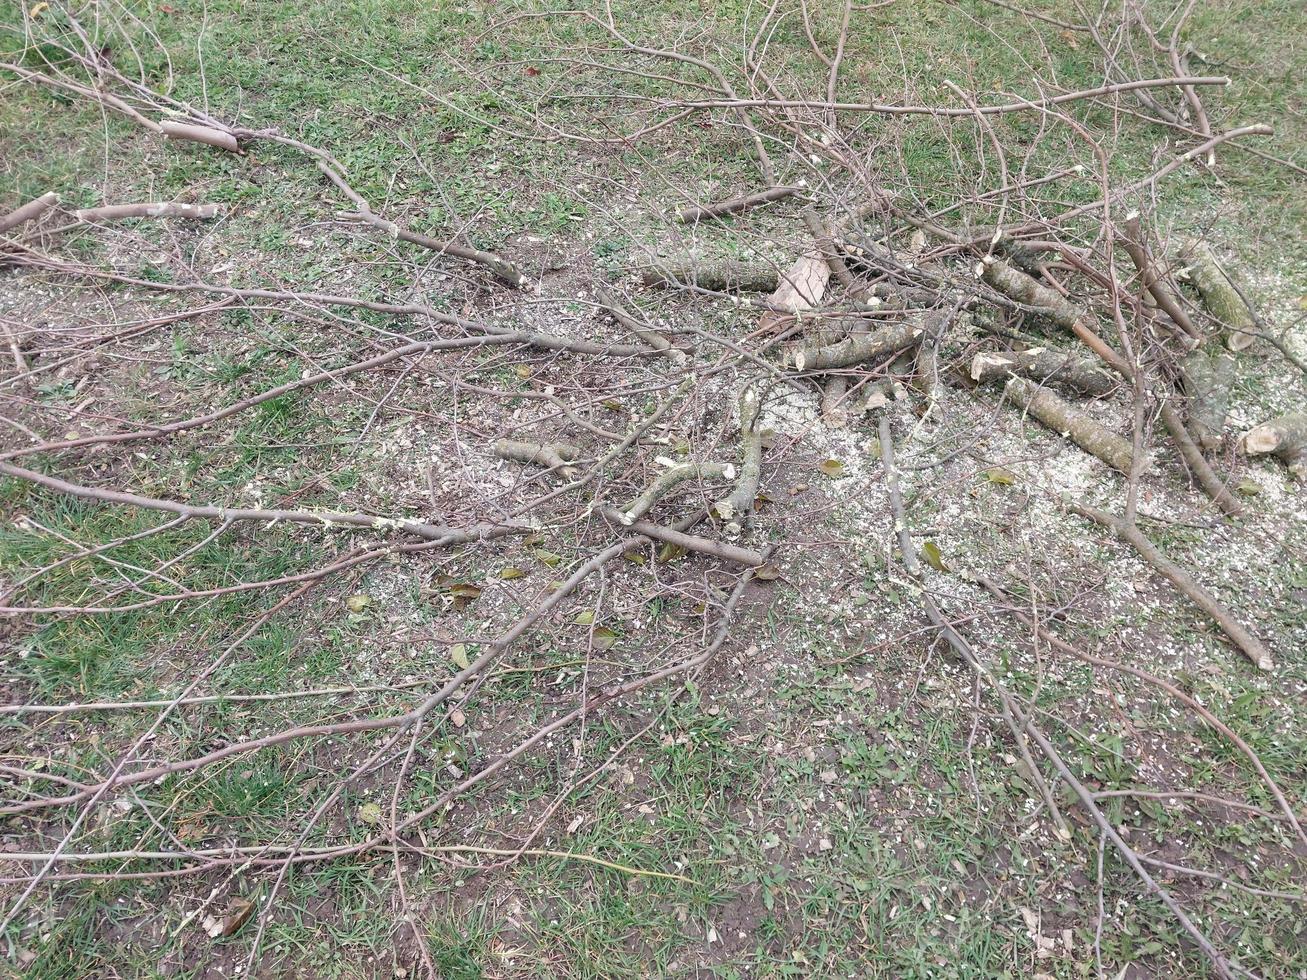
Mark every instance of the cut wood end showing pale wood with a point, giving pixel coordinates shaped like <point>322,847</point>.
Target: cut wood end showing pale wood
<point>1084,376</point>
<point>1284,438</point>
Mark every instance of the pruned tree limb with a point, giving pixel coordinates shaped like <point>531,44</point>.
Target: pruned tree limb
<point>504,270</point>
<point>702,212</point>
<point>1078,374</point>
<point>1026,289</point>
<point>326,519</point>
<point>1064,419</point>
<point>717,275</point>
<point>738,505</point>
<point>155,209</point>
<point>1223,296</point>
<point>639,330</point>
<point>1023,288</point>
<point>690,542</point>
<point>1027,726</point>
<point>1248,644</point>
<point>1024,724</point>
<point>191,133</point>
<point>889,339</point>
<point>667,481</point>
<point>553,455</point>
<point>1133,239</point>
<point>1207,379</point>
<point>30,211</point>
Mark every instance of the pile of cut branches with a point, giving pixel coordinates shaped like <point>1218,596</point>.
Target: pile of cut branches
<point>1081,317</point>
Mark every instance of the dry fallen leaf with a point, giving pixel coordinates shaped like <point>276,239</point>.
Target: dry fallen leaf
<point>999,475</point>
<point>930,552</point>
<point>370,814</point>
<point>237,914</point>
<point>833,468</point>
<point>670,552</point>
<point>604,638</point>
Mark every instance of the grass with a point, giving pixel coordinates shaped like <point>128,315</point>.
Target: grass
<point>837,821</point>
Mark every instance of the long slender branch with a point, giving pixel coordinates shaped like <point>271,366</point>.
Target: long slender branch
<point>1086,798</point>
<point>327,519</point>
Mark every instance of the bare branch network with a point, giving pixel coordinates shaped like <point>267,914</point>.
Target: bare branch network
<point>1026,294</point>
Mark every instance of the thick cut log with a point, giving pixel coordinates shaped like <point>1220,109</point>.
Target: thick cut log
<point>1082,375</point>
<point>1207,379</point>
<point>1028,290</point>
<point>1019,253</point>
<point>718,275</point>
<point>889,339</point>
<point>1222,295</point>
<point>834,401</point>
<point>1285,438</point>
<point>1061,417</point>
